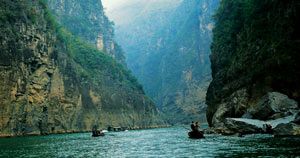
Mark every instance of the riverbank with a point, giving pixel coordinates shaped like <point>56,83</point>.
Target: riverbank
<point>75,131</point>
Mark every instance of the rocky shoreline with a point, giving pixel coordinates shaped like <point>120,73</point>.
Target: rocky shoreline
<point>74,131</point>
<point>274,113</point>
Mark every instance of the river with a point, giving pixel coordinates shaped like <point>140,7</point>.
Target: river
<point>164,142</point>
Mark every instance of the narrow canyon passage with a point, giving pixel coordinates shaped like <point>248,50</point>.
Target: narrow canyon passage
<point>167,47</point>
<point>149,78</point>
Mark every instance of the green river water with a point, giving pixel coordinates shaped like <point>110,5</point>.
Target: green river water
<point>164,142</point>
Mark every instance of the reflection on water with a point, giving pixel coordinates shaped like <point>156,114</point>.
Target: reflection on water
<point>166,142</point>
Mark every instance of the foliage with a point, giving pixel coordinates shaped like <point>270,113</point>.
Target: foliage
<point>255,46</point>
<point>8,11</point>
<point>95,64</point>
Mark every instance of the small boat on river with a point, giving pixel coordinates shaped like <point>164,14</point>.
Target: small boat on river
<point>196,134</point>
<point>116,129</point>
<point>97,133</point>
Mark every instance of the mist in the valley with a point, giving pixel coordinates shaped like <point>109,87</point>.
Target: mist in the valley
<point>166,44</point>
<point>123,12</point>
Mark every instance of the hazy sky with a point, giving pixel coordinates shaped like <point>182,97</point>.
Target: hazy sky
<point>123,11</point>
<point>111,5</point>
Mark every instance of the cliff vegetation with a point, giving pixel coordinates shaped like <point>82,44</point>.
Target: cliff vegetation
<point>55,82</point>
<point>255,50</point>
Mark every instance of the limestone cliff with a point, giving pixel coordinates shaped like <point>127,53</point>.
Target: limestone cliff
<point>255,50</point>
<point>168,50</point>
<point>86,19</point>
<point>52,82</point>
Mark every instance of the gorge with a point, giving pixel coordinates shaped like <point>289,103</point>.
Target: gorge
<point>254,59</point>
<point>67,66</point>
<point>167,45</point>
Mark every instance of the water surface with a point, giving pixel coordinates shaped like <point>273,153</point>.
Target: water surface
<point>165,142</point>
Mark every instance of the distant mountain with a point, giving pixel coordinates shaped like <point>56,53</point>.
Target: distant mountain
<point>168,50</point>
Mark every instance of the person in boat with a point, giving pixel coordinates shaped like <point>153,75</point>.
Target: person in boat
<point>195,133</point>
<point>268,128</point>
<point>193,127</point>
<point>197,126</point>
<point>97,133</point>
<point>94,130</point>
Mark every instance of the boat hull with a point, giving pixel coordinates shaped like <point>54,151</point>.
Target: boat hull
<point>196,135</point>
<point>98,135</point>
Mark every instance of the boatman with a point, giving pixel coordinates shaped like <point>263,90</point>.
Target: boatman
<point>197,126</point>
<point>193,126</point>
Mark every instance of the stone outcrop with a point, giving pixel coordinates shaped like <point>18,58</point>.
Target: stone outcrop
<point>297,118</point>
<point>233,106</point>
<point>272,106</point>
<point>255,61</point>
<point>272,109</point>
<point>51,82</point>
<point>289,129</point>
<point>240,126</point>
<point>250,126</point>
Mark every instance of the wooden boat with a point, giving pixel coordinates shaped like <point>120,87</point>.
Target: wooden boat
<point>97,134</point>
<point>116,129</point>
<point>196,135</point>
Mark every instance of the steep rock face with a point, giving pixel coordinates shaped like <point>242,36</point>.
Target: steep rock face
<point>51,82</point>
<point>255,51</point>
<point>86,19</point>
<point>169,53</point>
<point>273,105</point>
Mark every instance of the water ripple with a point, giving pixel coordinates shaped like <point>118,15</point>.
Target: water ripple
<point>167,142</point>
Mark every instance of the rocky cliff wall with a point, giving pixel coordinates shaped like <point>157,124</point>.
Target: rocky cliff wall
<point>52,82</point>
<point>87,19</point>
<point>255,50</point>
<point>168,51</point>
